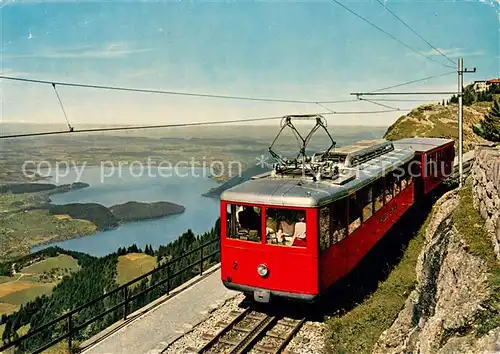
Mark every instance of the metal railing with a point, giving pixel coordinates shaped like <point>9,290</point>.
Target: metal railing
<point>71,329</point>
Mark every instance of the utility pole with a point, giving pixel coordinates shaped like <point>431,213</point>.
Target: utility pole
<point>461,71</point>
<point>460,119</point>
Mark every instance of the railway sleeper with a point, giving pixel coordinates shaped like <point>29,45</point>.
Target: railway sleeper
<point>230,342</point>
<point>207,336</point>
<point>242,329</point>
<point>275,335</point>
<point>288,322</point>
<point>265,348</point>
<point>256,316</point>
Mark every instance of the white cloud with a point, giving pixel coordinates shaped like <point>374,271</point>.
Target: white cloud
<point>107,51</point>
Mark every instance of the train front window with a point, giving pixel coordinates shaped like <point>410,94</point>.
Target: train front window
<point>243,222</point>
<point>286,227</point>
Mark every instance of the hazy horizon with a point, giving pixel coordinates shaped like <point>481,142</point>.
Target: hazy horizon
<point>311,51</point>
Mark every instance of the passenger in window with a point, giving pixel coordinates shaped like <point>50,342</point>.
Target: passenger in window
<point>286,230</point>
<point>299,237</point>
<point>249,219</point>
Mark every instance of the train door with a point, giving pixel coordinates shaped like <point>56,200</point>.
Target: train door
<point>333,253</point>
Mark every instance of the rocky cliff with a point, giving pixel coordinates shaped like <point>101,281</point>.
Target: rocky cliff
<point>433,120</point>
<point>486,186</point>
<point>455,306</point>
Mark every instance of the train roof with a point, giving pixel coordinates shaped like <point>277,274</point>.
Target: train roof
<point>422,144</point>
<point>362,163</point>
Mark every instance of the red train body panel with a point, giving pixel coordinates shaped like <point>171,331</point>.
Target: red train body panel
<point>292,237</point>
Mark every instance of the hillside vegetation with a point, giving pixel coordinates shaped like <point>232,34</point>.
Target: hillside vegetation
<point>438,121</point>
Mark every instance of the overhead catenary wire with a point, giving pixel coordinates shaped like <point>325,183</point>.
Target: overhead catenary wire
<point>396,100</point>
<point>415,81</point>
<point>164,92</point>
<point>378,104</point>
<point>178,125</point>
<point>415,32</point>
<point>390,35</point>
<point>62,107</point>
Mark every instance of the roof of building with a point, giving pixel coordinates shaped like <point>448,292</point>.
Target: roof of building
<point>493,81</point>
<point>421,144</point>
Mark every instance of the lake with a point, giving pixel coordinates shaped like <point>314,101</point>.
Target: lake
<point>183,187</point>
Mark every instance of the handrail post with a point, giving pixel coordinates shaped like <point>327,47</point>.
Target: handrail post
<point>125,302</point>
<point>168,278</point>
<point>201,260</point>
<point>70,330</point>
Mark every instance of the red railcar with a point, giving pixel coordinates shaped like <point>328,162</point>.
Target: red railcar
<point>293,234</point>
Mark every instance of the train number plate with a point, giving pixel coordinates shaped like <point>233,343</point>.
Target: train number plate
<point>262,295</point>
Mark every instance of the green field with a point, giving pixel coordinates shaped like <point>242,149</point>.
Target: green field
<point>62,261</point>
<point>21,231</point>
<point>31,293</point>
<point>34,280</point>
<point>133,265</point>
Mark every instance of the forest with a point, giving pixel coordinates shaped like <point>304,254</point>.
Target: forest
<point>97,276</point>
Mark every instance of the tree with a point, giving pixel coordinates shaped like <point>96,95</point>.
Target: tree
<point>454,99</point>
<point>469,96</point>
<point>489,127</point>
<point>444,103</point>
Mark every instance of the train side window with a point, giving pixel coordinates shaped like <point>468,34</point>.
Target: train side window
<point>401,174</point>
<point>324,227</point>
<point>397,182</point>
<point>378,194</point>
<point>286,227</point>
<point>355,211</point>
<point>389,187</point>
<point>244,222</point>
<point>367,201</point>
<point>338,220</point>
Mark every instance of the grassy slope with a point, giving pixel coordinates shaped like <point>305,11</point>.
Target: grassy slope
<point>21,231</point>
<point>358,330</point>
<point>62,261</point>
<point>440,121</point>
<point>33,281</point>
<point>133,265</point>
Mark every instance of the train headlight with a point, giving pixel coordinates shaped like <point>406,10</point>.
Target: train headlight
<point>262,270</point>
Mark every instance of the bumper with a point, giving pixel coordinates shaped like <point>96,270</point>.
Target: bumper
<point>283,294</point>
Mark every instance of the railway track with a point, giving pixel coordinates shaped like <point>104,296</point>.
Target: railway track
<point>254,332</point>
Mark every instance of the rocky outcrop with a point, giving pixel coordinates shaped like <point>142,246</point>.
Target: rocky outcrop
<point>135,211</point>
<point>486,190</point>
<point>451,289</point>
<point>438,121</point>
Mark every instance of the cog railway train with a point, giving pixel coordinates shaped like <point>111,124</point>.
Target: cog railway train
<point>296,230</point>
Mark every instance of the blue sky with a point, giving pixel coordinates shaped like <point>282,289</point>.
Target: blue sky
<point>297,50</point>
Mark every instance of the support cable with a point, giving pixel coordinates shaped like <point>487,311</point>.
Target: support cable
<point>94,130</point>
<point>415,32</point>
<point>414,81</point>
<point>390,35</point>
<point>164,92</point>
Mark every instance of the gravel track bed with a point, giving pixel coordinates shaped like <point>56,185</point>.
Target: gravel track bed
<point>309,340</point>
<point>198,335</point>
